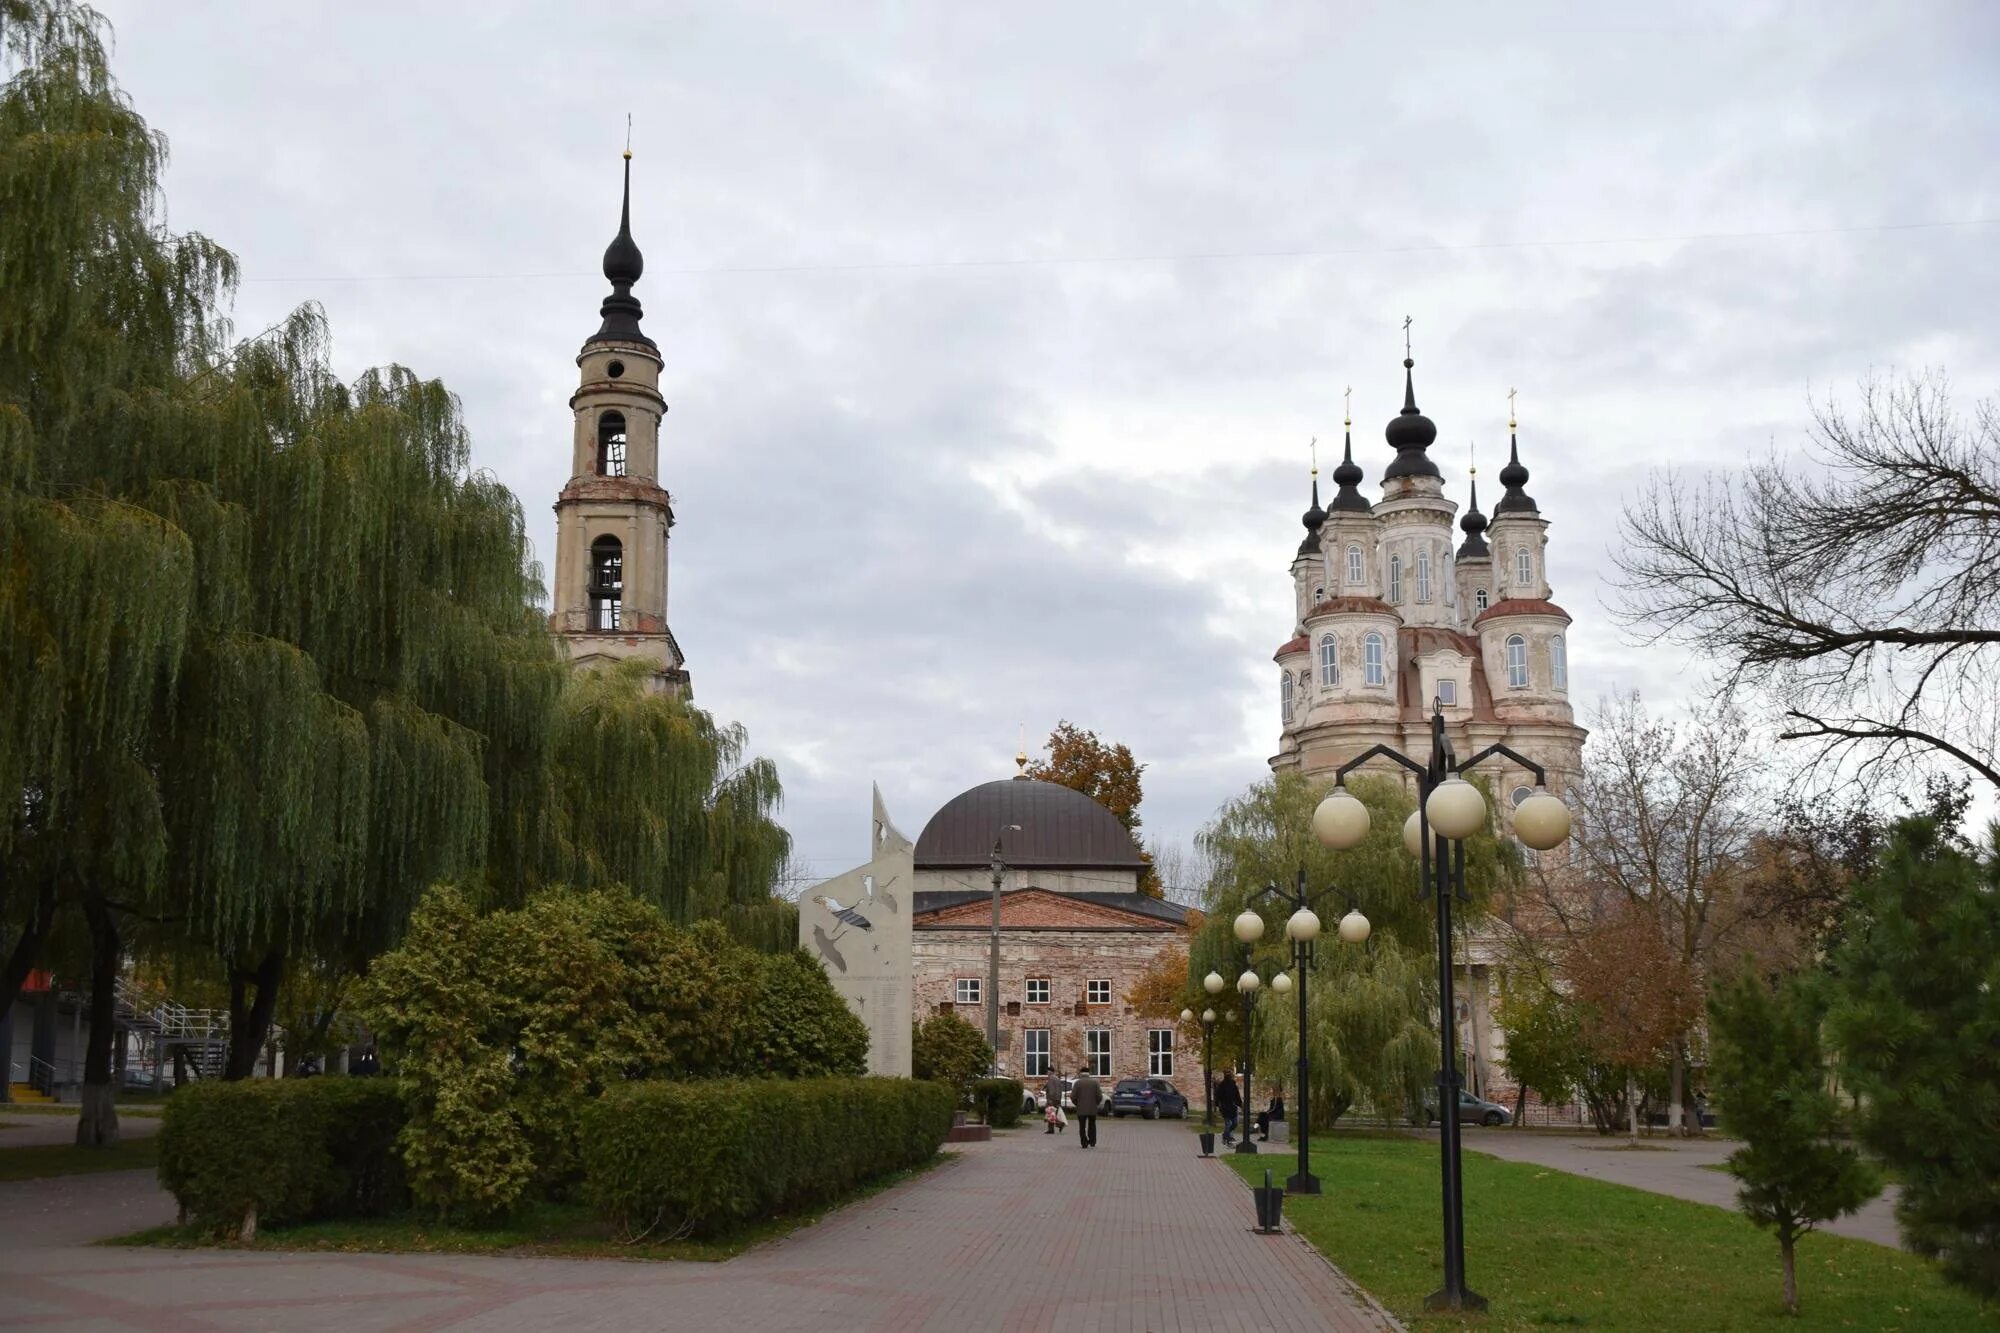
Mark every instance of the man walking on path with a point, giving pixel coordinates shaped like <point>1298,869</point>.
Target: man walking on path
<point>1228,1101</point>
<point>1088,1097</point>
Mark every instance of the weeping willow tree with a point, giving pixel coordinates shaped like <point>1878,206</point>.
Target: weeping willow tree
<point>650,792</point>
<point>269,664</point>
<point>1371,1028</point>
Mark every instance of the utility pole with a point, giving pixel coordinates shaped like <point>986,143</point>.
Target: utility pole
<point>993,953</point>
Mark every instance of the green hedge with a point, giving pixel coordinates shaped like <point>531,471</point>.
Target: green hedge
<point>703,1157</point>
<point>265,1151</point>
<point>999,1100</point>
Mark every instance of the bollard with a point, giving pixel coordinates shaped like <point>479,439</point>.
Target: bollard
<point>1207,1137</point>
<point>1270,1207</point>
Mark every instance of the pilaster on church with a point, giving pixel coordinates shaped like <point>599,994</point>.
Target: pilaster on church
<point>613,517</point>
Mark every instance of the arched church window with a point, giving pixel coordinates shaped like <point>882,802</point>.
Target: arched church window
<point>1521,794</point>
<point>1559,662</point>
<point>1479,600</point>
<point>1354,564</point>
<point>1329,661</point>
<point>1396,579</point>
<point>1372,665</point>
<point>1319,595</point>
<point>1517,662</point>
<point>1423,576</point>
<point>611,444</point>
<point>1524,566</point>
<point>1285,697</point>
<point>607,583</point>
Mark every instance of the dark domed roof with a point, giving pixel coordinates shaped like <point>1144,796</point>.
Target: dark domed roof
<point>1312,518</point>
<point>1348,476</point>
<point>1514,477</point>
<point>1411,432</point>
<point>1473,525</point>
<point>623,265</point>
<point>1060,829</point>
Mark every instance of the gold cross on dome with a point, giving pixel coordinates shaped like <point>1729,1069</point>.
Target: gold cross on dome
<point>1406,335</point>
<point>1314,446</point>
<point>1347,405</point>
<point>1510,408</point>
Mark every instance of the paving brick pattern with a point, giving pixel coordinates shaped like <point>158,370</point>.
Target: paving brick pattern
<point>1025,1232</point>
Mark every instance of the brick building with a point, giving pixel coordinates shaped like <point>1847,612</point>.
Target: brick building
<point>1076,935</point>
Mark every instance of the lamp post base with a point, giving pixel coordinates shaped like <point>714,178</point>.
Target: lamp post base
<point>1247,1145</point>
<point>1444,1298</point>
<point>1302,1182</point>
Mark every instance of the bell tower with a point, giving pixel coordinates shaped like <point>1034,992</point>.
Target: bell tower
<point>613,517</point>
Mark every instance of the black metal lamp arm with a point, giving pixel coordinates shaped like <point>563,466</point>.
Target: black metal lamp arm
<point>1541,775</point>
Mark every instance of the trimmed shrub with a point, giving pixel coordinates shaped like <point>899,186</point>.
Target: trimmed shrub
<point>798,1026</point>
<point>947,1048</point>
<point>999,1101</point>
<point>237,1155</point>
<point>699,1158</point>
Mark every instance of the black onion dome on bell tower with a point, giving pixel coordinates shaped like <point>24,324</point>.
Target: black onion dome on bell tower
<point>1514,477</point>
<point>622,266</point>
<point>1473,525</point>
<point>1312,519</point>
<point>1347,475</point>
<point>1411,432</point>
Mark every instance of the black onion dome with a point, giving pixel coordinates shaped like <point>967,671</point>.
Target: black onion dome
<point>1411,432</point>
<point>1514,477</point>
<point>1347,476</point>
<point>1312,518</point>
<point>1473,525</point>
<point>622,266</point>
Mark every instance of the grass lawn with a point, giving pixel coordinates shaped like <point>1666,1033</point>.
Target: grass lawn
<point>130,1154</point>
<point>1549,1249</point>
<point>151,1107</point>
<point>568,1230</point>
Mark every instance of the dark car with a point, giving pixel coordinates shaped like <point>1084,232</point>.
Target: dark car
<point>1147,1097</point>
<point>1471,1111</point>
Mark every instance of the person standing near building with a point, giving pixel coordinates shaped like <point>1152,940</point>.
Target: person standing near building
<point>1230,1102</point>
<point>1052,1092</point>
<point>1088,1097</point>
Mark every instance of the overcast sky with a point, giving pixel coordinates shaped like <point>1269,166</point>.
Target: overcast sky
<point>994,335</point>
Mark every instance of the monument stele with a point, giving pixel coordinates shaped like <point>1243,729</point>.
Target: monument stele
<point>858,926</point>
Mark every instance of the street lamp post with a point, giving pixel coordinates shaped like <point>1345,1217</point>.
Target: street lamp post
<point>993,953</point>
<point>1302,929</point>
<point>1249,928</point>
<point>1213,984</point>
<point>1449,810</point>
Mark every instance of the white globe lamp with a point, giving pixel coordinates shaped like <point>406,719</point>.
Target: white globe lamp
<point>1249,926</point>
<point>1455,808</point>
<point>1541,821</point>
<point>1354,927</point>
<point>1248,982</point>
<point>1413,835</point>
<point>1340,821</point>
<point>1208,1017</point>
<point>1213,983</point>
<point>1187,1016</point>
<point>1303,926</point>
<point>1282,983</point>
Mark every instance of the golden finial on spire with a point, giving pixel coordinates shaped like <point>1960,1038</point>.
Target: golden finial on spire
<point>628,136</point>
<point>1021,749</point>
<point>1347,406</point>
<point>1510,409</point>
<point>1314,446</point>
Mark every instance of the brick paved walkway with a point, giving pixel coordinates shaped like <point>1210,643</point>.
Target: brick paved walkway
<point>1026,1232</point>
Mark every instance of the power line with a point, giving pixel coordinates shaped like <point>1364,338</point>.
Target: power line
<point>1185,257</point>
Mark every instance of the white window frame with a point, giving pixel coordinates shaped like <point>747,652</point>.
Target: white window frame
<point>1285,697</point>
<point>1159,1052</point>
<point>1517,662</point>
<point>1373,651</point>
<point>1447,692</point>
<point>1319,595</point>
<point>1559,662</point>
<point>1355,571</point>
<point>1423,576</point>
<point>965,990</point>
<point>1396,579</point>
<point>1329,660</point>
<point>1479,599</point>
<point>1097,990</point>
<point>1035,1063</point>
<point>1524,566</point>
<point>1035,990</point>
<point>1097,1052</point>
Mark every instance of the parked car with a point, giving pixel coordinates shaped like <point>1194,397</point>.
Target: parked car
<point>1471,1111</point>
<point>1149,1098</point>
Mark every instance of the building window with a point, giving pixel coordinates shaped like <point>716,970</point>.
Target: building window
<point>611,444</point>
<point>1524,566</point>
<point>1521,794</point>
<point>1354,564</point>
<point>1329,660</point>
<point>1097,992</point>
<point>1559,662</point>
<point>1517,662</point>
<point>1423,576</point>
<point>1319,595</point>
<point>966,990</point>
<point>1160,1052</point>
<point>1285,696</point>
<point>1396,579</point>
<point>1038,990</point>
<point>1036,1063</point>
<point>1097,1052</point>
<point>1479,599</point>
<point>1371,660</point>
<point>607,583</point>
<point>1448,693</point>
